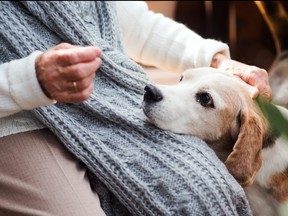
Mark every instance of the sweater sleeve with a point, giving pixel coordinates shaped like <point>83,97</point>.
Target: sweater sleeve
<point>153,39</point>
<point>19,87</point>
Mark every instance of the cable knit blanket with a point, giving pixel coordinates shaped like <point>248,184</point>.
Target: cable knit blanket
<point>136,169</point>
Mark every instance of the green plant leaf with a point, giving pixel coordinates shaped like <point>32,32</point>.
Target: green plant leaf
<point>277,121</point>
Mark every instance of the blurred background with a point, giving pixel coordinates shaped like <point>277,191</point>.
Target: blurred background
<point>237,23</point>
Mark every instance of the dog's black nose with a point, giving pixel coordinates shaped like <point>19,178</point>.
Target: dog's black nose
<point>152,94</point>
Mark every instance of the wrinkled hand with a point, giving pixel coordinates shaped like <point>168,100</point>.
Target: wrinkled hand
<point>66,72</point>
<point>256,78</point>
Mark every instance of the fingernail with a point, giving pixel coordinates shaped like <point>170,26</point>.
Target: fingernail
<point>254,92</point>
<point>98,51</point>
<point>99,60</point>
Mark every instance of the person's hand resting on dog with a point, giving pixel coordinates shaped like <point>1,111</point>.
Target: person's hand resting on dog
<point>256,78</point>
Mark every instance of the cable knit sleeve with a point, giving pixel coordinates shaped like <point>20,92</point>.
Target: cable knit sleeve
<point>155,40</point>
<point>19,87</point>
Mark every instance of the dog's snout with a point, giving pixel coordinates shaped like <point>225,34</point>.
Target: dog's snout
<point>152,94</point>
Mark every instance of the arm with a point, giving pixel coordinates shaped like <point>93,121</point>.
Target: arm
<point>43,78</point>
<point>19,86</point>
<point>155,40</point>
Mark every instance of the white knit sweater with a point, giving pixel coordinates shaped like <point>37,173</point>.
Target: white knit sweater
<point>150,39</point>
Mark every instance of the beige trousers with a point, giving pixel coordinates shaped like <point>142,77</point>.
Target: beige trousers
<point>38,176</point>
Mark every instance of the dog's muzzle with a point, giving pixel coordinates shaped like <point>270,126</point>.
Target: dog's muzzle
<point>152,94</point>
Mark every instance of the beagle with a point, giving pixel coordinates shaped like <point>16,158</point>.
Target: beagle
<point>215,107</point>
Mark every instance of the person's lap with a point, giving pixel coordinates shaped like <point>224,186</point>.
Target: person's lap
<point>40,177</point>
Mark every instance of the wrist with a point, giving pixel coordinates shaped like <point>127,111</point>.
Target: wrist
<point>217,60</point>
<point>39,77</point>
<point>23,83</point>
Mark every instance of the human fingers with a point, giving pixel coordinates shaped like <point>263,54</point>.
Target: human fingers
<point>252,91</point>
<point>56,80</point>
<point>81,70</point>
<point>73,96</point>
<point>77,78</point>
<point>63,46</point>
<point>258,78</point>
<point>77,55</point>
<point>78,85</point>
<point>252,75</point>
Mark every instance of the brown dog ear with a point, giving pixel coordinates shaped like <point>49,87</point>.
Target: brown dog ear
<point>246,159</point>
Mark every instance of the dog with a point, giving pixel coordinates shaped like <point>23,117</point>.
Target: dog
<point>214,106</point>
<point>278,79</point>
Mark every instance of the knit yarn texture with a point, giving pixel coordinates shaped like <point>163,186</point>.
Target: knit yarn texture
<point>136,168</point>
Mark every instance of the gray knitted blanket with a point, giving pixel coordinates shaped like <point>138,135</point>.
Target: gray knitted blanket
<point>136,169</point>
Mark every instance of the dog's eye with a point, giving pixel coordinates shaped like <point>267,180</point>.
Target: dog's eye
<point>181,78</point>
<point>205,99</point>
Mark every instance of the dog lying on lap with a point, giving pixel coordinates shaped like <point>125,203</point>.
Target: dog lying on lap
<point>215,107</point>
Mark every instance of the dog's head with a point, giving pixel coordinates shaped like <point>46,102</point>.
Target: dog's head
<point>215,107</point>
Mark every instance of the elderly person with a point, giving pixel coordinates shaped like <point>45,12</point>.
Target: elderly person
<point>73,137</point>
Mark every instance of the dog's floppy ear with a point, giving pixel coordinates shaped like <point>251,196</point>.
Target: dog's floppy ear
<point>246,159</point>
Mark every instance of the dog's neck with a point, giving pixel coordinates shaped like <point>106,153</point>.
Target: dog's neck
<point>269,139</point>
<point>223,146</point>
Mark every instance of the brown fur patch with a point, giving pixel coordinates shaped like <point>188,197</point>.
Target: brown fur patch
<point>246,158</point>
<point>278,185</point>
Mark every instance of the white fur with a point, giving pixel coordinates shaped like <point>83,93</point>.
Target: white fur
<point>181,113</point>
<point>275,160</point>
